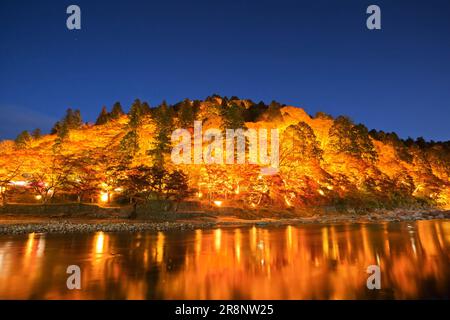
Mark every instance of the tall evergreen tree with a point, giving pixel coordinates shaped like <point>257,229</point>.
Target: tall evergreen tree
<point>135,114</point>
<point>163,118</point>
<point>342,137</point>
<point>224,103</point>
<point>72,120</point>
<point>77,120</point>
<point>186,114</point>
<point>232,117</point>
<point>36,134</point>
<point>365,147</point>
<point>116,111</point>
<point>22,140</point>
<point>103,117</point>
<point>196,105</point>
<point>63,132</point>
<point>352,139</point>
<point>323,115</point>
<point>56,128</point>
<point>254,112</point>
<point>301,142</point>
<point>129,145</point>
<point>273,112</point>
<point>145,109</point>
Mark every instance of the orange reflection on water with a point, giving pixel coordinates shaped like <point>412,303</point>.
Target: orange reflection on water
<point>99,242</point>
<point>292,262</point>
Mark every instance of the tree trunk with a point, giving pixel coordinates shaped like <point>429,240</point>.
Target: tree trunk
<point>133,214</point>
<point>4,199</point>
<point>52,196</point>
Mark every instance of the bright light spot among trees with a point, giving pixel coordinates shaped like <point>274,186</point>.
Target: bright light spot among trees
<point>19,183</point>
<point>104,197</point>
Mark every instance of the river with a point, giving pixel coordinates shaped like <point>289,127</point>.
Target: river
<point>289,262</point>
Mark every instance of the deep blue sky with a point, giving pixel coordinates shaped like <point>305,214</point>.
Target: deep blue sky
<point>314,54</point>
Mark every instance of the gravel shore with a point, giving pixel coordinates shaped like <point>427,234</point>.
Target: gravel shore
<point>63,227</point>
<point>24,226</point>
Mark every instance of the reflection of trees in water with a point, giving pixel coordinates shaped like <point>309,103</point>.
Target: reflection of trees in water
<point>143,261</point>
<point>321,262</point>
<point>308,261</point>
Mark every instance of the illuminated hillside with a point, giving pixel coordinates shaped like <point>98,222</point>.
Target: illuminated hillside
<point>323,161</point>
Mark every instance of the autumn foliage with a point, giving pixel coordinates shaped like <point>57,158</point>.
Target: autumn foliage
<point>125,158</point>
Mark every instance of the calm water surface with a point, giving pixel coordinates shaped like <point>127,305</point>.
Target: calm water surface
<point>293,262</point>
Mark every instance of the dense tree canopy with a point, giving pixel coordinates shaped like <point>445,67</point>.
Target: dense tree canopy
<point>323,161</point>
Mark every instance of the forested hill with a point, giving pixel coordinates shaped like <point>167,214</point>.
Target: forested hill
<point>323,160</point>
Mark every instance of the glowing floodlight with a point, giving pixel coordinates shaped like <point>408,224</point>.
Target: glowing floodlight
<point>104,197</point>
<point>19,183</point>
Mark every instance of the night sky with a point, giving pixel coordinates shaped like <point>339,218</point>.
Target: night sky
<point>315,54</point>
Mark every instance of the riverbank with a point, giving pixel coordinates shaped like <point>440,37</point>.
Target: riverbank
<point>23,224</point>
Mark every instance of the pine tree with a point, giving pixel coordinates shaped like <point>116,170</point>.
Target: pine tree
<point>36,134</point>
<point>196,105</point>
<point>232,117</point>
<point>365,147</point>
<point>145,109</point>
<point>69,117</point>
<point>255,111</point>
<point>77,120</point>
<point>61,135</point>
<point>186,114</point>
<point>352,139</point>
<point>323,115</point>
<point>163,117</point>
<point>301,142</point>
<point>63,132</point>
<point>116,111</point>
<point>135,114</point>
<point>224,103</point>
<point>129,146</point>
<point>342,137</point>
<point>22,140</point>
<point>56,128</point>
<point>72,120</point>
<point>273,112</point>
<point>421,143</point>
<point>103,117</point>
